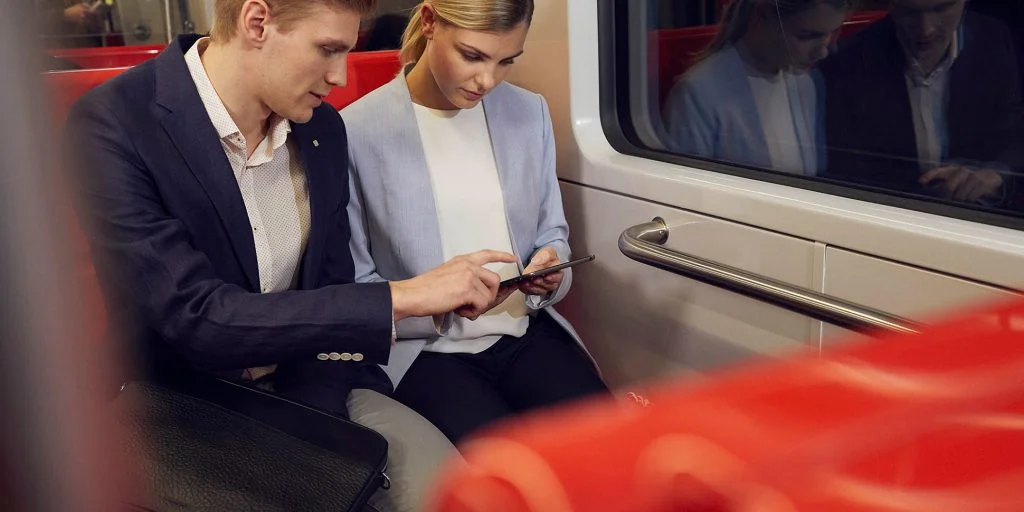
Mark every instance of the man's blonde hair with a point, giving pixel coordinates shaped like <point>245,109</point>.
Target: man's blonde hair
<point>285,12</point>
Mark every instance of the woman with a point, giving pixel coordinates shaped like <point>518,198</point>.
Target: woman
<point>447,159</point>
<point>753,99</point>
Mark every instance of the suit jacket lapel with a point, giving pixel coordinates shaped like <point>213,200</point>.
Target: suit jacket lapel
<point>319,186</point>
<point>192,132</point>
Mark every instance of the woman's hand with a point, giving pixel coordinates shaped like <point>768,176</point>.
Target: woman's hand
<point>543,258</point>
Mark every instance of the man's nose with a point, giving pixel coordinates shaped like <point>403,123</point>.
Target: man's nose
<point>821,51</point>
<point>337,73</point>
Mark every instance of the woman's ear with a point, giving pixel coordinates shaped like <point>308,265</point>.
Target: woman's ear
<point>428,20</point>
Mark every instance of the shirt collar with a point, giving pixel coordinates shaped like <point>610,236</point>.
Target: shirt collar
<point>918,78</point>
<point>226,128</point>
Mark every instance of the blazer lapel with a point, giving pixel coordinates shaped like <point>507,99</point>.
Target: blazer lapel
<point>504,162</point>
<point>407,182</point>
<point>189,128</point>
<point>319,186</point>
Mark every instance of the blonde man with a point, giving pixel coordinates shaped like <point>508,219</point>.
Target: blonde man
<point>215,184</point>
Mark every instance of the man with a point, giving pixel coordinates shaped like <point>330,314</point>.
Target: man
<point>927,101</point>
<point>214,180</point>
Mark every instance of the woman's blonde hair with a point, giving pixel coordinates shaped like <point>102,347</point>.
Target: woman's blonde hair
<point>739,13</point>
<point>480,15</point>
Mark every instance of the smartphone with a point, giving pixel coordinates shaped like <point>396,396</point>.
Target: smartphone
<point>545,271</point>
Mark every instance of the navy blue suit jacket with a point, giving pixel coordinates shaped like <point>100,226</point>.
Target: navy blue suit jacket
<point>174,249</point>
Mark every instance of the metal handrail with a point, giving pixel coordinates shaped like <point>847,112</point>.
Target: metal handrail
<point>644,243</point>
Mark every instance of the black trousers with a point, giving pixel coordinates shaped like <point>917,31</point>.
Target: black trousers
<point>460,393</point>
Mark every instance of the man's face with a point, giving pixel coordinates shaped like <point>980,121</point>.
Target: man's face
<point>927,27</point>
<point>298,67</point>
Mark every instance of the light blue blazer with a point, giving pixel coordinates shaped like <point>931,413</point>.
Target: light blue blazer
<point>395,232</point>
<point>712,113</point>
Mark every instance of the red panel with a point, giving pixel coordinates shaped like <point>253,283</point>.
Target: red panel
<point>366,72</point>
<point>67,86</point>
<point>110,57</point>
<point>904,423</point>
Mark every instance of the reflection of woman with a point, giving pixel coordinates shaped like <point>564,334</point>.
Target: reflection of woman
<point>448,159</point>
<point>752,99</point>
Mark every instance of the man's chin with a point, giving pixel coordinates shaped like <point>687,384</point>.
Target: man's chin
<point>300,117</point>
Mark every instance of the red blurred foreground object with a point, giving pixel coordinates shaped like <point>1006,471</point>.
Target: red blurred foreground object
<point>931,422</point>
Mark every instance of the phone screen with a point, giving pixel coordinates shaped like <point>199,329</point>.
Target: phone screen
<point>545,271</point>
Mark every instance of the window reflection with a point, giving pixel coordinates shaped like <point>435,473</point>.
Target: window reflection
<point>75,23</point>
<point>927,101</point>
<point>752,98</point>
<point>920,97</point>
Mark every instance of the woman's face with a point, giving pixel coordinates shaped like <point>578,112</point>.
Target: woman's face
<point>468,64</point>
<point>802,39</point>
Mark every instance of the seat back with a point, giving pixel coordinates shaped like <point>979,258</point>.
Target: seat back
<point>896,424</point>
<point>108,57</point>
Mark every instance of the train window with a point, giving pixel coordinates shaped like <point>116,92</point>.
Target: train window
<point>916,103</point>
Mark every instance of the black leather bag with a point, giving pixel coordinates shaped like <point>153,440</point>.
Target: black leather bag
<point>211,444</point>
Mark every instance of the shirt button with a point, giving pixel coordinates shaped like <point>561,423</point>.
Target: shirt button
<point>265,289</point>
<point>334,356</point>
<point>323,357</point>
<point>357,357</point>
<point>345,356</point>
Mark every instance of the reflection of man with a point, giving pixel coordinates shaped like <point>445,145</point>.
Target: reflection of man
<point>926,101</point>
<point>71,22</point>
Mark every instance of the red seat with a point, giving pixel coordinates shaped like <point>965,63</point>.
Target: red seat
<point>903,423</point>
<point>110,57</point>
<point>67,86</point>
<point>366,72</point>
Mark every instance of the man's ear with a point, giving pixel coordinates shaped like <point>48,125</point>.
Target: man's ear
<point>253,22</point>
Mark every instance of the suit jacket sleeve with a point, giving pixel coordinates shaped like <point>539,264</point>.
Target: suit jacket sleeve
<point>152,268</point>
<point>552,229</point>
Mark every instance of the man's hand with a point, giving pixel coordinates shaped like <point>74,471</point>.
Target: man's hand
<point>473,313</point>
<point>462,284</point>
<point>963,184</point>
<point>544,258</point>
<point>77,13</point>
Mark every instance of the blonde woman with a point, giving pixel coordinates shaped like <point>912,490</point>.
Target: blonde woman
<point>448,159</point>
<point>753,98</point>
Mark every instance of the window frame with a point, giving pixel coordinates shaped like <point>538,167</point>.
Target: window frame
<point>616,96</point>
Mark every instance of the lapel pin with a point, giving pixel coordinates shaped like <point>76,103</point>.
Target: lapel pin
<point>316,143</point>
